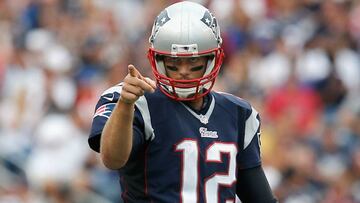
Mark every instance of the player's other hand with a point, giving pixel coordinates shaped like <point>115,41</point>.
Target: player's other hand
<point>135,85</point>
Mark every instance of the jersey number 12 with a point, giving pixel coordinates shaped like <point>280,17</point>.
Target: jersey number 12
<point>190,170</point>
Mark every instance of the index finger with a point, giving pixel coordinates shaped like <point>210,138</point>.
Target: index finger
<point>145,83</point>
<point>134,72</point>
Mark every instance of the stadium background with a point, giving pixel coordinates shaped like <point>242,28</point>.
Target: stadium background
<point>297,61</point>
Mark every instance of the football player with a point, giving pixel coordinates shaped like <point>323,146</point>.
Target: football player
<point>173,139</point>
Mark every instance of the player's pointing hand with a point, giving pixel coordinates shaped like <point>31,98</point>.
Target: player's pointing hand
<point>135,85</point>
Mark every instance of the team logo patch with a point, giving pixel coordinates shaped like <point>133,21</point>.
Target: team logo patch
<point>204,132</point>
<point>209,20</point>
<point>105,110</point>
<point>160,20</point>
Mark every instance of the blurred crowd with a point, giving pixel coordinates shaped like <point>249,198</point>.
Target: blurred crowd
<point>296,61</point>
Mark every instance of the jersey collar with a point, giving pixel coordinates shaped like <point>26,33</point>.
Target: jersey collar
<point>204,114</point>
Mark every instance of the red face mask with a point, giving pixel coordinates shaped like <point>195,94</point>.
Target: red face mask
<point>186,90</point>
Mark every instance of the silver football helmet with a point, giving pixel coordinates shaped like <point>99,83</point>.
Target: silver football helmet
<point>185,29</point>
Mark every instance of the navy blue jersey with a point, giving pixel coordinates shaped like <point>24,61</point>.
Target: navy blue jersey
<point>183,155</point>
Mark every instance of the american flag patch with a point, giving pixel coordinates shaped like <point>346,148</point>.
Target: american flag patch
<point>105,110</point>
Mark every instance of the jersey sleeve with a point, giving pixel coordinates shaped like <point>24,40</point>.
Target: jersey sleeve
<point>103,110</point>
<point>249,155</point>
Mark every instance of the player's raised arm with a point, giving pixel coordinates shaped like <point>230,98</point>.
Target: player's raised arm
<point>116,139</point>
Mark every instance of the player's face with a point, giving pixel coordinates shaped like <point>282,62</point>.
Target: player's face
<point>185,68</point>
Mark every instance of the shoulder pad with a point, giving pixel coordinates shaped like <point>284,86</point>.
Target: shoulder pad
<point>235,100</point>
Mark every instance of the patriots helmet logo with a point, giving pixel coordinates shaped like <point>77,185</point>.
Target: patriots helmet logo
<point>160,20</point>
<point>209,20</point>
<point>104,110</point>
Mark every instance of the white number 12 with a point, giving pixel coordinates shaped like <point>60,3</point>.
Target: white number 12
<point>190,170</point>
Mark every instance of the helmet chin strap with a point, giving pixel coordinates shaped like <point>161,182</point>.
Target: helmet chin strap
<point>186,92</point>
<point>181,92</point>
